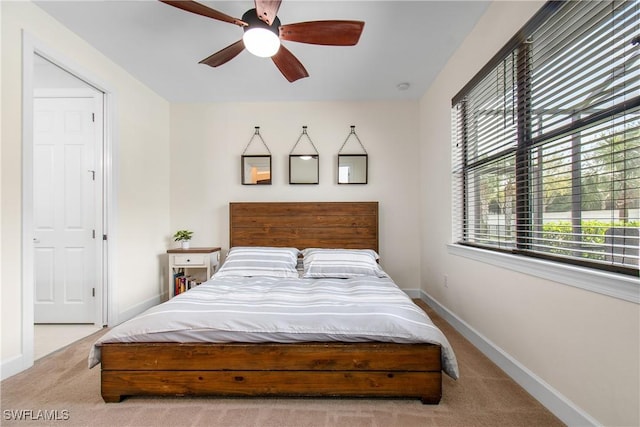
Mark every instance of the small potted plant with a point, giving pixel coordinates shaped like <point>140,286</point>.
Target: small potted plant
<point>183,236</point>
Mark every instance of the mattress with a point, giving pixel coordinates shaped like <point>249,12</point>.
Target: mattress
<point>270,309</point>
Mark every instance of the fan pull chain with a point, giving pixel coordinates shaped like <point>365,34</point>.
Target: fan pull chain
<point>304,133</point>
<point>353,132</point>
<point>256,133</point>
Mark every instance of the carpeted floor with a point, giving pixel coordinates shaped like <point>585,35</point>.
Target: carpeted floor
<point>61,388</point>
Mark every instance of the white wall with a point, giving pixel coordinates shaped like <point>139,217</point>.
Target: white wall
<point>208,139</point>
<point>583,345</point>
<point>141,156</point>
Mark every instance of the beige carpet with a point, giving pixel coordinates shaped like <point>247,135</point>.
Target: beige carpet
<point>61,388</point>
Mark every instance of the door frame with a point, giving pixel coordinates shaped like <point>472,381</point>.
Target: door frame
<point>105,292</point>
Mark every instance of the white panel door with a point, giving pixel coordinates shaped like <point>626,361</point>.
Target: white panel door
<point>64,210</point>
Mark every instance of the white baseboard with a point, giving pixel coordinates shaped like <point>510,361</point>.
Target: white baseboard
<point>413,293</point>
<point>554,401</point>
<point>135,310</point>
<point>13,366</point>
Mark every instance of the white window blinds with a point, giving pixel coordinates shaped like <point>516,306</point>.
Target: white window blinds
<point>546,147</point>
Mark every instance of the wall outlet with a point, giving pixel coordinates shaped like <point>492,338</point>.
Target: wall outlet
<point>445,280</point>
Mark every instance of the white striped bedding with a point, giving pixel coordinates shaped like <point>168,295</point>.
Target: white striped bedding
<point>270,309</point>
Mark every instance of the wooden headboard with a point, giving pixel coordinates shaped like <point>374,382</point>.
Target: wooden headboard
<point>352,225</point>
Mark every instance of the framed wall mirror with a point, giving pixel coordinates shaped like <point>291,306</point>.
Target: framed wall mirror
<point>353,168</point>
<point>304,168</point>
<point>256,170</point>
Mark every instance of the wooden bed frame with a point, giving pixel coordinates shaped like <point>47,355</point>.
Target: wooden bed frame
<point>306,369</point>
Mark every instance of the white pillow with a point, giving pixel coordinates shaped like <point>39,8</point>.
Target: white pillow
<point>249,261</point>
<point>341,263</point>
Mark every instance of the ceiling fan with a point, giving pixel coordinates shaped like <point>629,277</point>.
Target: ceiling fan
<point>263,33</point>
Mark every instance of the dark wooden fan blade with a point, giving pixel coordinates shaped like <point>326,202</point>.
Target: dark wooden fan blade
<point>331,33</point>
<point>289,65</point>
<point>200,9</point>
<point>225,55</point>
<point>267,10</point>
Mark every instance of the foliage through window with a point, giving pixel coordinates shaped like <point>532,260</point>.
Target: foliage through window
<point>546,147</point>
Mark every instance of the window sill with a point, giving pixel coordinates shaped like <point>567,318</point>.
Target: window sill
<point>619,286</point>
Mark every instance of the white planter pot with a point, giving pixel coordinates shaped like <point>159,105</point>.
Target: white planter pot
<point>184,244</point>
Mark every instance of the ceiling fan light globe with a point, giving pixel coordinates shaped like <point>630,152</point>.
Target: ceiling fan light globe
<point>261,42</point>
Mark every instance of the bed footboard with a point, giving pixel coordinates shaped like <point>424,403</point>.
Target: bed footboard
<point>251,370</point>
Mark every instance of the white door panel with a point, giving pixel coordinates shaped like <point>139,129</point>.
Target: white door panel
<point>64,210</point>
<point>44,262</point>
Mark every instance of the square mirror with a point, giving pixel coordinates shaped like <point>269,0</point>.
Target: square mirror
<point>353,168</point>
<point>303,168</point>
<point>256,170</point>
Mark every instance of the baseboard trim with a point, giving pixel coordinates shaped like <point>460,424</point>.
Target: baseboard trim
<point>554,401</point>
<point>13,366</point>
<point>413,293</point>
<point>132,312</point>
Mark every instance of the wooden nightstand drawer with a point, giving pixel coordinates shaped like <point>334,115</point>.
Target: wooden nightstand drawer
<point>190,260</point>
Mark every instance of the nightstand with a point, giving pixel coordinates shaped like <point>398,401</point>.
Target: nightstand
<point>190,267</point>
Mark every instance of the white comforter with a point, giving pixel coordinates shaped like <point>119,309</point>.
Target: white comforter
<point>267,309</point>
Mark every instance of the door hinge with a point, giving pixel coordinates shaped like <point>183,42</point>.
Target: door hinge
<point>93,292</point>
<point>93,117</point>
<point>104,237</point>
<point>93,234</point>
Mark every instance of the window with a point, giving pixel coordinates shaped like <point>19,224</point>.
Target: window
<point>546,147</point>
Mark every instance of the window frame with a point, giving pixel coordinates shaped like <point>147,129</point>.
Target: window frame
<point>614,285</point>
<point>619,281</point>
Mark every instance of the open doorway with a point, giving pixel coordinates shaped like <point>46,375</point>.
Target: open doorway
<point>67,209</point>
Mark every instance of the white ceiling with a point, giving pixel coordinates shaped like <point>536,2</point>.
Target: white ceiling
<point>402,41</point>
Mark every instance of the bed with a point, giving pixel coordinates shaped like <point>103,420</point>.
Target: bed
<point>359,367</point>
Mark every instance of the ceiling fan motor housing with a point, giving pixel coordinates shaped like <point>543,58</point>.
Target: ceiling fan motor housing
<point>251,18</point>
